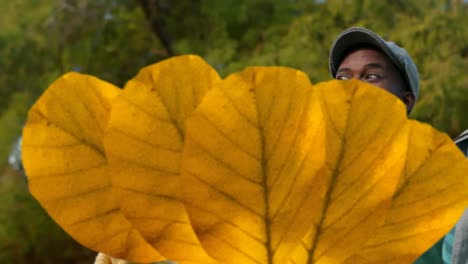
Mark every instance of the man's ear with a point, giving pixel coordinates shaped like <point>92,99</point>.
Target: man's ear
<point>409,99</point>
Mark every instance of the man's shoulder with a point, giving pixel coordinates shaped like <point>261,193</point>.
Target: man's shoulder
<point>462,137</point>
<point>462,142</point>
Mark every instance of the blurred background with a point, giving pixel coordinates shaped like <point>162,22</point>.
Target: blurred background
<point>111,39</point>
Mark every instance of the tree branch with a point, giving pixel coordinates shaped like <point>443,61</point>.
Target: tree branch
<point>152,8</point>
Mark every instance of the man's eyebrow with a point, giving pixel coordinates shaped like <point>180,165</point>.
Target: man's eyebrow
<point>374,65</point>
<point>368,66</point>
<point>340,70</point>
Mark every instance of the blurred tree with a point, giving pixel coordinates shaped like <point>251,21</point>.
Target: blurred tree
<point>439,41</point>
<point>112,39</point>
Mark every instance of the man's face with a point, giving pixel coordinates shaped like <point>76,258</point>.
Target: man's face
<point>372,66</point>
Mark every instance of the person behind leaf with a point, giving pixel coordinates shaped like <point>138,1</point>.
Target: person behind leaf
<point>455,243</point>
<point>359,53</point>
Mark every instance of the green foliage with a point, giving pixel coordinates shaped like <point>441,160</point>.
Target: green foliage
<point>442,60</point>
<point>11,124</point>
<point>111,39</point>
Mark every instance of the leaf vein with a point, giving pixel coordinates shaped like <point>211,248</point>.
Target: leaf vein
<point>94,217</point>
<point>232,101</point>
<point>143,141</point>
<point>221,162</point>
<point>67,173</point>
<point>226,221</point>
<point>374,161</point>
<point>223,134</point>
<point>75,195</point>
<point>223,193</point>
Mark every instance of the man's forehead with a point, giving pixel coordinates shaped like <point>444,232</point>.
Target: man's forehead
<point>370,58</point>
<point>366,66</point>
<point>366,52</point>
<point>362,46</point>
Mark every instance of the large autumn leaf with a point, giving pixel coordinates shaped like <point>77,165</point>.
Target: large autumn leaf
<point>144,141</point>
<point>253,165</point>
<point>254,149</point>
<point>272,169</point>
<point>67,169</point>
<point>431,195</point>
<point>366,150</point>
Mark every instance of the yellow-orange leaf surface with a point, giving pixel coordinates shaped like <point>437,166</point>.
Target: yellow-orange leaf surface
<point>366,150</point>
<point>144,141</point>
<point>258,168</point>
<point>67,170</point>
<point>253,150</point>
<point>431,193</point>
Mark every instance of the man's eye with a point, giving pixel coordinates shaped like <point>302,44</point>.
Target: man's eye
<point>342,78</point>
<point>372,76</point>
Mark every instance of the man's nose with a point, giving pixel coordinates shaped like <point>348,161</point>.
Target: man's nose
<point>356,77</point>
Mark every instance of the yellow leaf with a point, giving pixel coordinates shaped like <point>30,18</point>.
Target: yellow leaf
<point>429,199</point>
<point>263,168</point>
<point>253,150</point>
<point>144,141</point>
<point>67,170</point>
<point>366,150</point>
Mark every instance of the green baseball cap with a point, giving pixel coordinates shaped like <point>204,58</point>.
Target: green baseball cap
<point>354,36</point>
